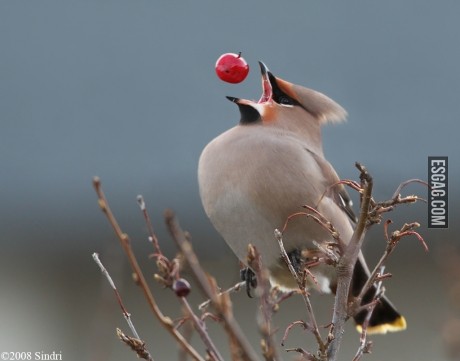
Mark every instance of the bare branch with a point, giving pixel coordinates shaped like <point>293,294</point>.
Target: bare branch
<point>364,345</point>
<point>304,353</point>
<point>338,253</point>
<point>303,324</point>
<point>346,265</point>
<point>126,245</point>
<point>234,288</point>
<point>237,337</point>
<point>350,183</point>
<point>392,241</point>
<point>404,184</point>
<point>152,236</point>
<point>200,327</point>
<point>126,314</point>
<point>303,292</point>
<point>266,307</point>
<point>318,218</point>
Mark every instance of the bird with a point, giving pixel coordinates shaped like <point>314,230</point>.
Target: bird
<point>256,174</point>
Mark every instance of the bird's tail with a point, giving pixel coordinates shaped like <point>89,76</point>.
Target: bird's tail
<point>384,318</point>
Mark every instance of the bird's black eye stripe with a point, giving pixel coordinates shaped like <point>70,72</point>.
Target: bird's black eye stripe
<point>284,100</point>
<point>278,95</point>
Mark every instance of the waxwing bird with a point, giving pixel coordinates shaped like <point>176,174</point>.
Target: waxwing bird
<point>256,174</point>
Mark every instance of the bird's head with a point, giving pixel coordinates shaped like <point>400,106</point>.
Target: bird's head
<point>282,102</point>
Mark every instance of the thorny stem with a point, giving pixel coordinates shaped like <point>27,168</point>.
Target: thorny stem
<point>126,245</point>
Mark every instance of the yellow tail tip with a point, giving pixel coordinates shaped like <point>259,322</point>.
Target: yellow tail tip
<point>399,324</point>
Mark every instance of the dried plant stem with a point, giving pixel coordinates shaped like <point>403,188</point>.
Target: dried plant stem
<point>264,318</point>
<point>125,312</point>
<point>235,333</point>
<point>199,325</point>
<point>364,345</point>
<point>234,288</point>
<point>403,184</point>
<point>152,236</point>
<point>303,324</point>
<point>304,293</point>
<point>406,230</point>
<point>346,265</point>
<point>374,275</point>
<point>304,353</point>
<point>126,245</point>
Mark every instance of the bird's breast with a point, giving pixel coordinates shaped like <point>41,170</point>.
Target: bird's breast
<point>251,184</point>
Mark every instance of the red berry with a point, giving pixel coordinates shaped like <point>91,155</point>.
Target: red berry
<point>181,287</point>
<point>232,68</point>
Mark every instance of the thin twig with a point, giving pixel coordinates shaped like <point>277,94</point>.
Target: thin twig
<point>266,307</point>
<point>234,288</point>
<point>126,245</point>
<point>318,218</point>
<point>200,327</point>
<point>303,324</point>
<point>304,353</point>
<point>303,292</point>
<point>187,331</point>
<point>374,275</point>
<point>125,312</point>
<point>231,326</point>
<point>364,345</point>
<point>152,236</point>
<point>350,183</point>
<point>404,184</point>
<point>392,241</point>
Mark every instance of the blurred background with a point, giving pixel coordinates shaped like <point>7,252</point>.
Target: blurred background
<point>126,90</point>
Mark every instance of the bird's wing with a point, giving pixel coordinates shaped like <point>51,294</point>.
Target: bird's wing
<point>336,190</point>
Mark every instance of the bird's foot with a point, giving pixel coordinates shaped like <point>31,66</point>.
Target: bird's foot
<point>250,278</point>
<point>297,260</point>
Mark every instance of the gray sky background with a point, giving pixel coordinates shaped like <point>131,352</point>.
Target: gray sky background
<point>126,90</point>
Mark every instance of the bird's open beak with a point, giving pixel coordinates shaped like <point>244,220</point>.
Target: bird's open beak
<point>252,111</point>
<point>267,90</point>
